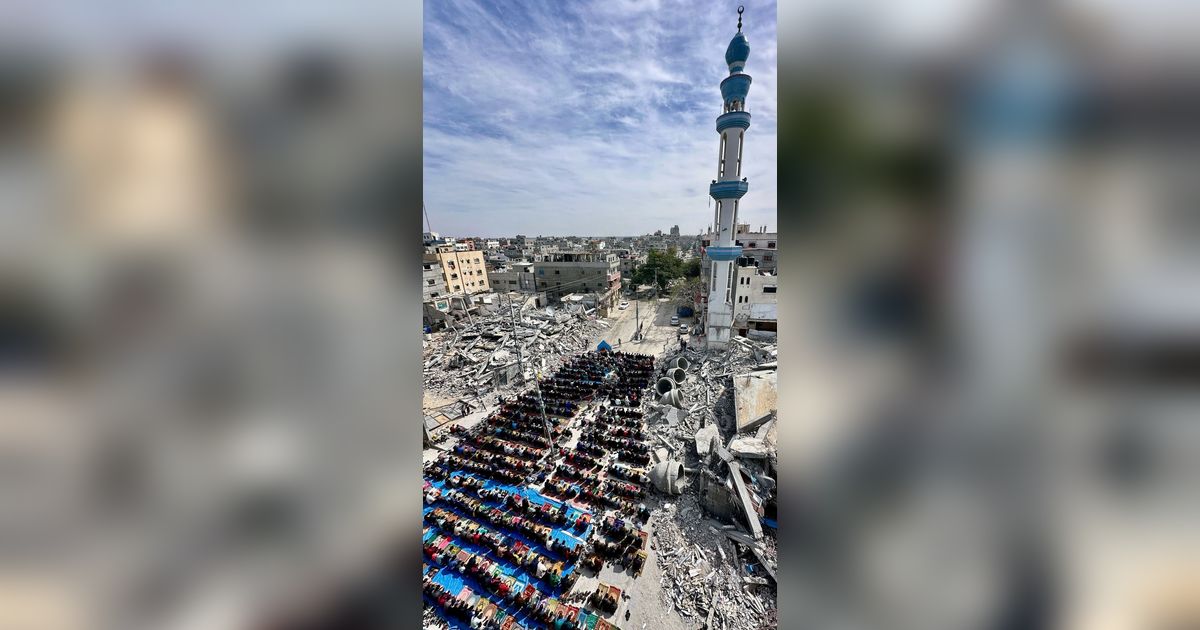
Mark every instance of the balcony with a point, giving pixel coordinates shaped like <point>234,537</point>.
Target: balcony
<point>732,189</point>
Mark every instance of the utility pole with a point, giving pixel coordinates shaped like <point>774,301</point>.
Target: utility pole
<point>537,383</point>
<point>637,317</point>
<point>512,315</point>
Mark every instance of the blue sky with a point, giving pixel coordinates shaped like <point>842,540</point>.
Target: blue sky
<point>596,118</point>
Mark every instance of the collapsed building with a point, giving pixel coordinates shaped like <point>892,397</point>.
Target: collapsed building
<point>714,425</point>
<point>500,350</point>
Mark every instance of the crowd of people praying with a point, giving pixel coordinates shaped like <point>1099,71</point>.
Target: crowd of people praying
<point>603,470</point>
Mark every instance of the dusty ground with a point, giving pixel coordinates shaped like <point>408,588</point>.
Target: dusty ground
<point>659,336</point>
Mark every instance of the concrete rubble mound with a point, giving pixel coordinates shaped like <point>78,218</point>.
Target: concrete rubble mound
<point>498,352</point>
<point>708,577</point>
<point>716,558</point>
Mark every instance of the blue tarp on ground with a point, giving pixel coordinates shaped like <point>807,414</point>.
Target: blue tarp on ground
<point>455,581</point>
<point>603,346</point>
<point>509,568</point>
<point>563,535</point>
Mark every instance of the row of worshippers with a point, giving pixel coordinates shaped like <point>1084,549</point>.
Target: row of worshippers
<point>599,436</point>
<point>616,431</point>
<point>449,463</point>
<point>546,610</point>
<point>518,464</point>
<point>454,608</point>
<point>603,600</point>
<point>545,513</point>
<point>594,493</point>
<point>504,447</point>
<point>579,459</point>
<point>535,439</point>
<point>628,473</point>
<point>444,551</point>
<point>621,417</point>
<point>526,420</point>
<point>507,520</point>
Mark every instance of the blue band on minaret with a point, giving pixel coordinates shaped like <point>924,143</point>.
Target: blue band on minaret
<point>733,119</point>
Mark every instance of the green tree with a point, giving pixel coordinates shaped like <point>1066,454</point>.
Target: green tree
<point>660,266</point>
<point>684,290</point>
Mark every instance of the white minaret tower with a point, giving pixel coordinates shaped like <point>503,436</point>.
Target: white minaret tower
<point>727,190</point>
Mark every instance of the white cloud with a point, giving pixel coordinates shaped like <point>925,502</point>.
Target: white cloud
<point>565,118</point>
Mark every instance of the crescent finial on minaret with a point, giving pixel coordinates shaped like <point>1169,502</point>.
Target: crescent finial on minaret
<point>741,8</point>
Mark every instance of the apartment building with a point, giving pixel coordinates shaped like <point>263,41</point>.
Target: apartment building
<point>561,273</point>
<point>517,276</point>
<point>463,271</point>
<point>433,284</point>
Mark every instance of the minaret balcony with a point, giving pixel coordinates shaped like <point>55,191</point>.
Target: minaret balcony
<point>735,87</point>
<point>733,119</point>
<point>733,189</point>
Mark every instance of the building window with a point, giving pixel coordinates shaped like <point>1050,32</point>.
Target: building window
<point>768,258</point>
<point>771,245</point>
<point>753,244</point>
<point>768,289</point>
<point>429,282</point>
<point>556,272</point>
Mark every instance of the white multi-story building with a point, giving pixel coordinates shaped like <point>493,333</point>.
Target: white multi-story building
<point>754,300</point>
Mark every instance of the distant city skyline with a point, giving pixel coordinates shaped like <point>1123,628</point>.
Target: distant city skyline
<point>565,119</point>
<point>682,234</point>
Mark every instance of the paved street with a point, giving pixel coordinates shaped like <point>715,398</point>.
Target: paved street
<point>660,336</point>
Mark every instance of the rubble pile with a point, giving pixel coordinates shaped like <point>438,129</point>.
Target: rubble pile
<point>719,571</point>
<point>707,392</point>
<point>498,352</point>
<point>707,576</point>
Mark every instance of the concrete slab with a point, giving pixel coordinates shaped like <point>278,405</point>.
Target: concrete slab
<point>704,439</point>
<point>749,447</point>
<point>755,395</point>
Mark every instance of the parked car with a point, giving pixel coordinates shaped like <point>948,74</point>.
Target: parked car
<point>674,320</point>
<point>623,305</point>
<point>683,328</point>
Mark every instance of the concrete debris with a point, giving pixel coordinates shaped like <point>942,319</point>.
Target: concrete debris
<point>499,352</point>
<point>743,494</point>
<point>704,438</point>
<point>748,447</point>
<point>755,423</point>
<point>667,477</point>
<point>702,575</point>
